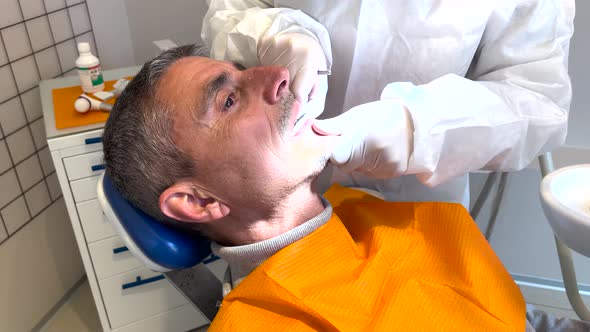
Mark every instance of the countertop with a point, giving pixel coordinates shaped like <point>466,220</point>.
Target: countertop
<point>47,86</point>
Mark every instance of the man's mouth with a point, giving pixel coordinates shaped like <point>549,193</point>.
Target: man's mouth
<point>300,124</point>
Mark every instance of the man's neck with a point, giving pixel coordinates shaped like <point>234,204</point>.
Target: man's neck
<point>292,211</point>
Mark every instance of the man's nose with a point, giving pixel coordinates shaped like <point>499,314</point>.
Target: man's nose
<point>274,81</point>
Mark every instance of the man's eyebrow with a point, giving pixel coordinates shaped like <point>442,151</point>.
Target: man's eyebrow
<point>212,89</point>
<point>238,66</point>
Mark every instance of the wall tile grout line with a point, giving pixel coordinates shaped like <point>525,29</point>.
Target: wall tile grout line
<point>92,29</point>
<point>29,89</point>
<point>7,100</point>
<point>38,16</point>
<point>5,228</point>
<point>48,47</point>
<point>23,126</point>
<point>59,63</point>
<point>53,38</point>
<point>19,94</point>
<point>23,194</point>
<point>29,122</point>
<point>8,149</point>
<point>22,93</point>
<point>20,97</point>
<point>27,157</point>
<point>32,218</point>
<point>22,104</point>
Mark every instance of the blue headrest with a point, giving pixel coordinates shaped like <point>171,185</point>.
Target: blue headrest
<point>161,247</point>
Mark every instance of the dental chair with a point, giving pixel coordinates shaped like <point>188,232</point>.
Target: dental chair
<point>564,194</point>
<point>160,247</point>
<point>163,248</point>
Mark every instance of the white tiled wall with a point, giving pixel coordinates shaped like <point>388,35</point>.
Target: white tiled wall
<point>37,41</point>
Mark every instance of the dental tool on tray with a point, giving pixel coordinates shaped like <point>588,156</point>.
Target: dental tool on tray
<point>85,103</point>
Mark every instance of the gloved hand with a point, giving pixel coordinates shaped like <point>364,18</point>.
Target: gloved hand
<point>303,56</point>
<point>375,138</point>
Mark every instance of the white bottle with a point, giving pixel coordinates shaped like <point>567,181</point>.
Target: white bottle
<point>89,70</point>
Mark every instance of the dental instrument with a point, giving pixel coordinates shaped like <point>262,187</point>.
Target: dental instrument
<point>84,103</point>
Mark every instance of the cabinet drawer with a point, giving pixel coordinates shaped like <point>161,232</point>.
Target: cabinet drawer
<point>180,319</point>
<point>84,165</point>
<point>110,257</point>
<point>95,224</point>
<point>150,295</point>
<point>84,189</point>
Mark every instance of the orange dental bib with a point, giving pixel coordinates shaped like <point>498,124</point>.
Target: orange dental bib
<point>380,266</point>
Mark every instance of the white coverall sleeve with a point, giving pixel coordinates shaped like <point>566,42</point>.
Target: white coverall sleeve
<point>513,105</point>
<point>233,29</point>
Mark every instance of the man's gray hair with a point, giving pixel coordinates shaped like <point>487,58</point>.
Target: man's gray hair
<point>140,155</point>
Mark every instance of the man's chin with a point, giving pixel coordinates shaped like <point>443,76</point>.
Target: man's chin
<point>317,174</point>
<point>322,180</point>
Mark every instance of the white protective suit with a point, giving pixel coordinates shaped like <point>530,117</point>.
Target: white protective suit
<point>485,82</point>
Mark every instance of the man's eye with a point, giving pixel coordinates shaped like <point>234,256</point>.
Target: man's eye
<point>229,102</point>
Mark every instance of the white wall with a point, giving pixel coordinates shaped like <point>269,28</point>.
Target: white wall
<point>111,31</point>
<point>149,20</point>
<point>125,30</point>
<point>579,120</point>
<point>39,264</point>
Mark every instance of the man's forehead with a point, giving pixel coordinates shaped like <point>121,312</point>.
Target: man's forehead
<point>204,65</point>
<point>193,67</point>
<point>192,73</point>
<point>186,74</point>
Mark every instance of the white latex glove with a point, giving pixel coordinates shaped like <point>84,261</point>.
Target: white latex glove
<point>303,56</point>
<point>375,139</point>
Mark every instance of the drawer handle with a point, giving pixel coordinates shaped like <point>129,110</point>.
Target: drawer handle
<point>95,168</point>
<point>93,140</point>
<point>138,281</point>
<point>120,250</point>
<point>211,259</point>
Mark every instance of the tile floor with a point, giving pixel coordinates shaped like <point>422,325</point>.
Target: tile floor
<point>78,314</point>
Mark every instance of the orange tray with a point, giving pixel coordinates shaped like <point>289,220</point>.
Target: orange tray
<point>66,115</point>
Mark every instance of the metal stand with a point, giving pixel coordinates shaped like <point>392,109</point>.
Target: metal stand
<point>565,257</point>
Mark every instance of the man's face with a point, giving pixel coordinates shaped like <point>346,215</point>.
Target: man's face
<point>238,127</point>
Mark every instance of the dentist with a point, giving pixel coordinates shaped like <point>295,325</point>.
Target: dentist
<point>422,92</point>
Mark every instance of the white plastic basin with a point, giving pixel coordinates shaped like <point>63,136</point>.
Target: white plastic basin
<point>565,198</point>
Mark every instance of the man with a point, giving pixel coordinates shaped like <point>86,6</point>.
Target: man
<point>477,85</point>
<point>213,146</point>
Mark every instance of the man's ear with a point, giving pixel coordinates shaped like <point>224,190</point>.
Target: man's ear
<point>184,202</point>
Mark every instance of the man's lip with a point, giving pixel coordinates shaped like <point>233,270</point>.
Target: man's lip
<point>320,132</point>
<point>305,125</point>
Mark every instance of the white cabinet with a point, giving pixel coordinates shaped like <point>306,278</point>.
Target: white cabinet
<point>84,165</point>
<point>111,257</point>
<point>128,296</point>
<point>95,224</point>
<point>84,189</point>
